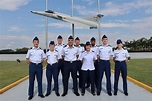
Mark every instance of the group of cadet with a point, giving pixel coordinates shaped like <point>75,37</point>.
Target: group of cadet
<point>90,62</point>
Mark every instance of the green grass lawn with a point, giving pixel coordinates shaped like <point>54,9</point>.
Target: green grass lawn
<point>11,71</point>
<point>140,69</point>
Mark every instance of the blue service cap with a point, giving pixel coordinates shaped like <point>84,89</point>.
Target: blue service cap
<point>36,38</point>
<point>70,37</point>
<point>87,43</point>
<point>93,39</point>
<point>52,43</point>
<point>77,38</point>
<point>119,41</point>
<point>104,36</point>
<point>59,37</point>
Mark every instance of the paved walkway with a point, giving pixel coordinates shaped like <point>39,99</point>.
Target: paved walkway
<point>19,93</point>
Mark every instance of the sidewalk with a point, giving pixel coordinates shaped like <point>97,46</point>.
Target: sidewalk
<point>19,93</point>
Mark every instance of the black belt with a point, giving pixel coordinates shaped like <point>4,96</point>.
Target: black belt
<point>51,64</point>
<point>105,60</point>
<point>120,61</point>
<point>35,63</point>
<point>70,61</point>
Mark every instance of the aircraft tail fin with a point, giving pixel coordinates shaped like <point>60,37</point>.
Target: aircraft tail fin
<point>94,18</point>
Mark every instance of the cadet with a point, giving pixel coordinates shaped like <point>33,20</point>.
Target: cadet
<point>88,58</point>
<point>94,48</point>
<point>120,58</point>
<point>59,48</point>
<point>105,54</point>
<point>70,55</point>
<point>52,69</point>
<point>79,63</point>
<point>35,57</point>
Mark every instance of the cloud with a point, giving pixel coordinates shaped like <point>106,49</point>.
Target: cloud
<point>12,5</point>
<point>89,2</point>
<point>15,29</point>
<point>65,25</point>
<point>114,9</point>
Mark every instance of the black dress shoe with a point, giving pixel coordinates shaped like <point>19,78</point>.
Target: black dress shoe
<point>98,93</point>
<point>77,94</point>
<point>30,97</point>
<point>109,93</point>
<point>57,94</point>
<point>93,93</point>
<point>115,93</point>
<point>126,93</point>
<point>87,86</point>
<point>47,94</point>
<point>82,94</point>
<point>42,96</point>
<point>53,89</point>
<point>64,94</point>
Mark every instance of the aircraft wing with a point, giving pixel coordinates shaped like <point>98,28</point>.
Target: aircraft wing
<point>86,22</point>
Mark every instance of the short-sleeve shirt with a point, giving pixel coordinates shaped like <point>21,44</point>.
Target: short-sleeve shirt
<point>105,52</point>
<point>70,53</point>
<point>88,60</point>
<point>35,55</point>
<point>52,57</point>
<point>120,55</point>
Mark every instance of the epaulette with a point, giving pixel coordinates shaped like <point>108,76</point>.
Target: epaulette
<point>125,48</point>
<point>110,45</point>
<point>40,48</point>
<point>92,51</point>
<point>83,51</point>
<point>30,48</point>
<point>64,46</point>
<point>56,50</point>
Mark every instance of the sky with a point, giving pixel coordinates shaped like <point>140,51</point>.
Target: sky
<point>123,19</point>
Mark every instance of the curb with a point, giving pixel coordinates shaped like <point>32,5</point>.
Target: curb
<point>138,83</point>
<point>15,83</point>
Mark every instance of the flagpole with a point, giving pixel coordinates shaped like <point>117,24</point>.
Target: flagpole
<point>72,16</point>
<point>99,25</point>
<point>46,21</point>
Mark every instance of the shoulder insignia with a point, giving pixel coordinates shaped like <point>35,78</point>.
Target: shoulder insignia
<point>110,45</point>
<point>92,51</point>
<point>30,48</point>
<point>56,50</point>
<point>64,46</point>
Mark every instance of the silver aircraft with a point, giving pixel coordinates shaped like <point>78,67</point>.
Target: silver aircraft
<point>89,22</point>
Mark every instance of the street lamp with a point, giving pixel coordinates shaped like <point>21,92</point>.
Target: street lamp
<point>72,16</point>
<point>46,27</point>
<point>99,25</point>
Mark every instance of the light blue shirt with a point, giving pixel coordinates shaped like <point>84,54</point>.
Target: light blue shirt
<point>80,49</point>
<point>88,60</point>
<point>120,55</point>
<point>105,52</point>
<point>70,53</point>
<point>52,57</point>
<point>59,49</point>
<point>35,55</point>
<point>95,49</point>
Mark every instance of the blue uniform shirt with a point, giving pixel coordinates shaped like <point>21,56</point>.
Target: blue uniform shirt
<point>120,55</point>
<point>88,60</point>
<point>105,52</point>
<point>59,49</point>
<point>52,57</point>
<point>70,53</point>
<point>35,55</point>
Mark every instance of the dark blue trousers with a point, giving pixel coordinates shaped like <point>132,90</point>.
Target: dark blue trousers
<point>91,75</point>
<point>120,67</point>
<point>60,67</point>
<point>79,65</point>
<point>104,66</point>
<point>52,70</point>
<point>70,68</point>
<point>35,70</point>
